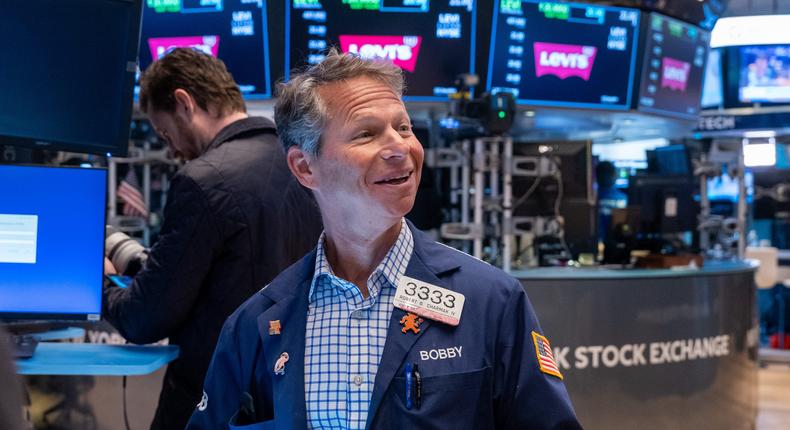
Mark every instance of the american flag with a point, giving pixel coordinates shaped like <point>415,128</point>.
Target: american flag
<point>545,356</point>
<point>129,193</point>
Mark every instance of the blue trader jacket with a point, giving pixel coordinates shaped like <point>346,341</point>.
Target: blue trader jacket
<point>482,374</point>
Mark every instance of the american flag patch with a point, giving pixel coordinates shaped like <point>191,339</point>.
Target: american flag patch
<point>545,356</point>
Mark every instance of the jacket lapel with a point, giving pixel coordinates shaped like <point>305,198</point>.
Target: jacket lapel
<point>291,311</point>
<point>398,344</point>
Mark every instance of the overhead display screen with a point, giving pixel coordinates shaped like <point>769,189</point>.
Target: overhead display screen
<point>764,74</point>
<point>712,84</point>
<point>673,67</point>
<point>563,54</point>
<point>431,41</point>
<point>235,31</point>
<point>67,74</point>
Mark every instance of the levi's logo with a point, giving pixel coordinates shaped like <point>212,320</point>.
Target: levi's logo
<point>161,46</point>
<point>401,50</point>
<point>564,61</point>
<point>674,74</point>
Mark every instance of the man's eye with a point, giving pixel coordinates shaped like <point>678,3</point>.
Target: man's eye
<point>363,135</point>
<point>405,127</point>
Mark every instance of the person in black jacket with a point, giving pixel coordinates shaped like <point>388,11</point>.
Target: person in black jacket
<point>235,217</point>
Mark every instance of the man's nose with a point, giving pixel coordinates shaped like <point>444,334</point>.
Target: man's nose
<point>395,145</point>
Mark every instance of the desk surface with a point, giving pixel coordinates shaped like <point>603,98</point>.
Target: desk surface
<point>96,359</point>
<point>708,269</point>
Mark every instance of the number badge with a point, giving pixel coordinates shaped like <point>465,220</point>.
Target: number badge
<point>429,301</point>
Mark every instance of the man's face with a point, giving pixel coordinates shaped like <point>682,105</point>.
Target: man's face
<point>370,162</point>
<point>180,137</point>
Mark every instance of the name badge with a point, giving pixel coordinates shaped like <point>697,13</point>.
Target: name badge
<point>429,301</point>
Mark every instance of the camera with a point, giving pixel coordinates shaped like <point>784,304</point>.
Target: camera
<point>125,253</point>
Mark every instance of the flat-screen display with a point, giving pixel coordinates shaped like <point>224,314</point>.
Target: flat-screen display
<point>673,67</point>
<point>51,242</point>
<point>712,84</point>
<point>235,31</point>
<point>764,74</point>
<point>67,74</point>
<point>431,41</point>
<point>563,54</point>
<point>725,187</point>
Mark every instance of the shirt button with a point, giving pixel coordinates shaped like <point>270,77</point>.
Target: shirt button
<point>357,380</point>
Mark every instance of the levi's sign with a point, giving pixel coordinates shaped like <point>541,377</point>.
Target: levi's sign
<point>161,46</point>
<point>674,74</point>
<point>564,61</point>
<point>401,50</point>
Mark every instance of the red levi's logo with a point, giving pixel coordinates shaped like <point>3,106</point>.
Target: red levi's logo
<point>674,74</point>
<point>160,46</point>
<point>564,61</point>
<point>401,50</point>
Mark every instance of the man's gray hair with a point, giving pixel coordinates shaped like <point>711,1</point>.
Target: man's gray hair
<point>300,113</point>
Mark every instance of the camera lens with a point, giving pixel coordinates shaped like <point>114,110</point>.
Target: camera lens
<point>125,253</point>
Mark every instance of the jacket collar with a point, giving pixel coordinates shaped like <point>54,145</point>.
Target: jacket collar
<point>430,261</point>
<point>243,126</point>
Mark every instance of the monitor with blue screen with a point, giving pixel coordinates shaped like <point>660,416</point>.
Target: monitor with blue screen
<point>563,54</point>
<point>235,31</point>
<point>431,41</point>
<point>51,242</point>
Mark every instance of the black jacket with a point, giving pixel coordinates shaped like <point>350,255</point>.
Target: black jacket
<point>235,217</point>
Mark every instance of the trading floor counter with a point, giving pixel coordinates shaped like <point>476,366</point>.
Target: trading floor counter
<point>653,349</point>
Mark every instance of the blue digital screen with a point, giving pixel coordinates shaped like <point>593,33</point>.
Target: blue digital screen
<point>724,187</point>
<point>51,242</point>
<point>235,31</point>
<point>764,74</point>
<point>563,54</point>
<point>431,41</point>
<point>712,84</point>
<point>673,67</point>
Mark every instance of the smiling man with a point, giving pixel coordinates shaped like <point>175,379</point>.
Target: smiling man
<point>379,327</point>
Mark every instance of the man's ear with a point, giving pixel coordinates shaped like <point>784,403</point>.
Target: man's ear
<point>185,104</point>
<point>301,165</point>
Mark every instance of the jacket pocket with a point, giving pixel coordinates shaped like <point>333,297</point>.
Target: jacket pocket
<point>456,401</point>
<point>261,425</point>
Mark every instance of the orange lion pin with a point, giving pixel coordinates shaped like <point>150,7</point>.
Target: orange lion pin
<point>411,322</point>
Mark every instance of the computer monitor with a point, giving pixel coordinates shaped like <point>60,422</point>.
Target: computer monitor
<point>51,242</point>
<point>563,54</point>
<point>666,203</point>
<point>725,187</point>
<point>628,157</point>
<point>673,65</point>
<point>672,160</point>
<point>235,31</point>
<point>67,74</point>
<point>432,41</point>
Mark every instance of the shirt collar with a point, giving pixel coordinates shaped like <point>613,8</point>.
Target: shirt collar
<point>392,267</point>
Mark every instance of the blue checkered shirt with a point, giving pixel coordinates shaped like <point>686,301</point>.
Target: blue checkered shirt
<point>345,337</point>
